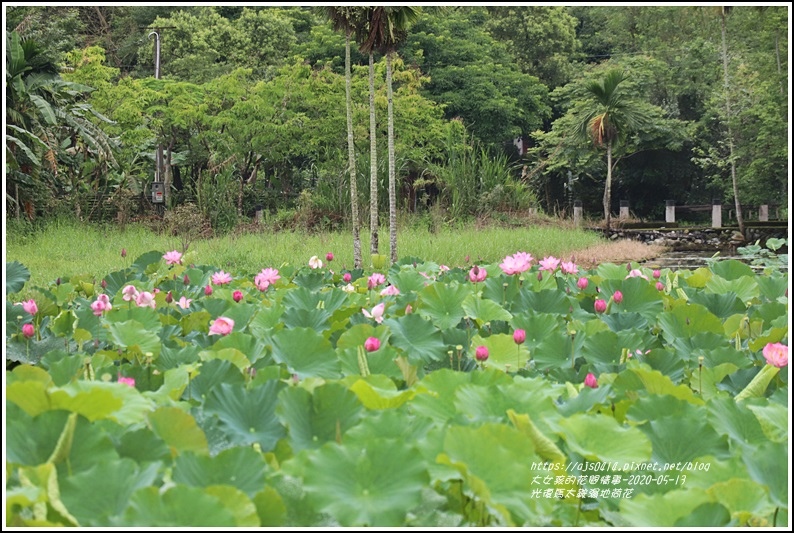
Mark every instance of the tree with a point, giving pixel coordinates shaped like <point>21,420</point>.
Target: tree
<point>608,117</point>
<point>387,29</point>
<point>347,19</point>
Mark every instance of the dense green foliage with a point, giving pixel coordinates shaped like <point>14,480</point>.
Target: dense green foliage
<point>251,101</point>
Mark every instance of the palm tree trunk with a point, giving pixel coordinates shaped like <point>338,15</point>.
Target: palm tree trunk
<point>373,164</point>
<point>608,188</point>
<point>392,178</point>
<point>351,160</point>
<point>739,218</point>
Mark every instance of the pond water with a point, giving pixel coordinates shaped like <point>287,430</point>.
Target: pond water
<point>689,260</point>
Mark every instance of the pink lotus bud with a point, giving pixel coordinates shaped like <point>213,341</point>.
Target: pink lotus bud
<point>329,256</point>
<point>540,275</point>
<point>347,277</point>
<point>582,283</point>
<point>657,274</point>
<point>127,381</point>
<point>28,330</point>
<point>30,306</point>
<point>208,290</point>
<point>169,297</point>
<point>591,381</point>
<point>617,297</point>
<point>372,344</point>
<point>477,274</point>
<point>123,252</point>
<point>103,284</point>
<point>519,336</point>
<point>186,280</point>
<point>776,354</point>
<point>409,309</point>
<point>628,267</point>
<point>58,281</point>
<point>659,286</point>
<point>600,306</point>
<point>481,353</point>
<point>237,296</point>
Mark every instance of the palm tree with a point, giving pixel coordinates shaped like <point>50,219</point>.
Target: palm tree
<point>386,30</point>
<point>611,115</point>
<point>347,19</point>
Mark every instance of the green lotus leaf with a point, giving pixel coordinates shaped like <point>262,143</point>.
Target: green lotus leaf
<point>585,400</point>
<point>772,286</point>
<point>484,311</point>
<point>179,506</point>
<point>211,374</point>
<point>773,419</point>
<point>408,281</point>
<point>625,320</point>
<point>240,467</point>
<point>661,510</point>
<point>640,376</point>
<point>366,484</point>
<point>103,491</point>
<point>501,289</point>
<point>418,338</point>
<point>639,296</point>
<point>721,305</point>
<point>686,320</point>
<point>379,392</point>
<point>324,415</point>
<point>142,446</point>
<point>270,508</point>
<point>553,352</point>
<point>233,355</point>
<point>743,498</point>
<point>316,319</point>
<point>248,415</point>
<point>195,321</point>
<point>45,477</point>
<point>442,304</point>
<point>602,438</point>
<point>611,271</point>
<point>486,459</point>
<point>241,313</point>
<point>308,300</point>
<point>179,430</point>
<point>479,404</point>
<point>552,301</point>
<point>771,313</point>
<point>142,263</point>
<point>502,351</point>
<point>771,335</point>
<point>669,447</point>
<point>655,406</point>
<point>602,350</point>
<point>62,367</point>
<point>710,514</point>
<point>732,269</point>
<point>133,335</point>
<point>313,280</point>
<point>438,403</point>
<point>236,502</point>
<point>768,465</point>
<point>16,277</point>
<point>736,420</point>
<point>30,440</point>
<point>306,353</point>
<point>31,351</point>
<point>744,287</point>
<point>398,424</point>
<point>538,326</point>
<point>63,325</point>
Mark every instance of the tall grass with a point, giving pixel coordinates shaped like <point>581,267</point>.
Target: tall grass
<point>69,248</point>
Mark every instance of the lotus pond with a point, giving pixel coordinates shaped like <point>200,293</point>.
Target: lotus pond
<point>525,393</point>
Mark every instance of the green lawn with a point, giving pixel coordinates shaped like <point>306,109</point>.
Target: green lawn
<point>68,248</point>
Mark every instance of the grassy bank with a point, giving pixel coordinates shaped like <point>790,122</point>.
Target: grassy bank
<point>68,248</point>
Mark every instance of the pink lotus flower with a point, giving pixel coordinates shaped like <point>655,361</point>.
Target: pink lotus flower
<point>477,274</point>
<point>657,274</point>
<point>549,263</point>
<point>221,326</point>
<point>208,290</point>
<point>617,297</point>
<point>481,353</point>
<point>600,305</point>
<point>173,258</point>
<point>221,278</point>
<point>375,279</point>
<point>237,296</point>
<point>636,273</point>
<point>443,268</point>
<point>30,306</point>
<point>659,286</point>
<point>266,278</point>
<point>519,336</point>
<point>129,292</point>
<point>516,263</point>
<point>347,277</point>
<point>28,330</point>
<point>101,304</point>
<point>145,299</point>
<point>776,354</point>
<point>568,267</point>
<point>591,381</point>
<point>377,312</point>
<point>127,381</point>
<point>391,290</point>
<point>315,262</point>
<point>582,283</point>
<point>184,303</point>
<point>329,256</point>
<point>372,344</point>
